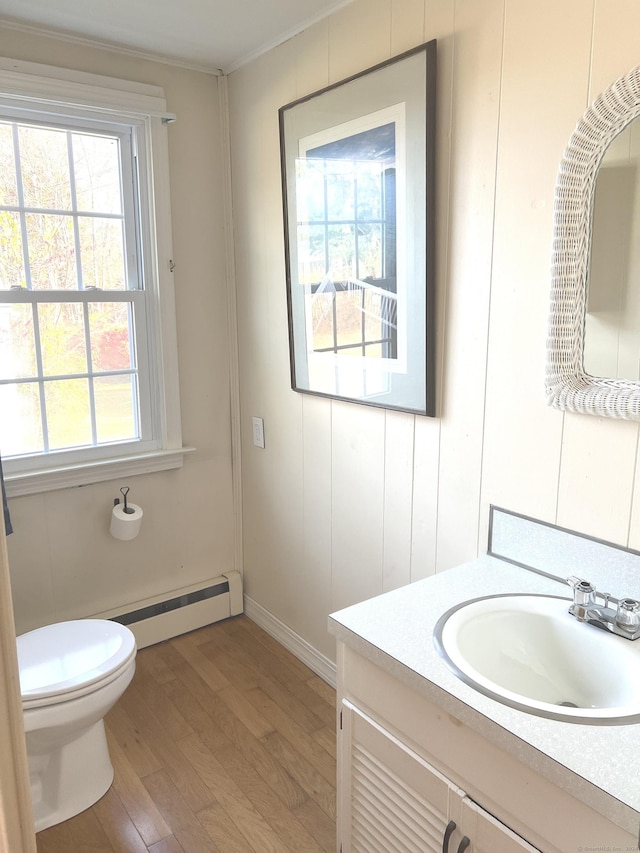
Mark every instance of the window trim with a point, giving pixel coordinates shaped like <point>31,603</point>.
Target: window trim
<point>36,88</point>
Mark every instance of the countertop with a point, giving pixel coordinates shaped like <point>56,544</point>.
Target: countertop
<point>597,764</point>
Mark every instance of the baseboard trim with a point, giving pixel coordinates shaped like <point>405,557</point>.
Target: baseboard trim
<point>303,650</point>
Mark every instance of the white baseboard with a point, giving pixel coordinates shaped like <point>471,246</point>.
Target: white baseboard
<point>303,650</point>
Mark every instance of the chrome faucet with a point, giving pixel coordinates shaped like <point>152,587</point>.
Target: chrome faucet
<point>619,616</point>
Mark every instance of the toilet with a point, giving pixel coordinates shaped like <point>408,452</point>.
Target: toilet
<point>71,674</point>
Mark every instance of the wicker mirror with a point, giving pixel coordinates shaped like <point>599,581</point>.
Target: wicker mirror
<point>568,385</point>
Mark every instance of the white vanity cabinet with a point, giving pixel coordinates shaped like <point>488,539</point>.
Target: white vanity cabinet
<point>407,770</point>
<point>391,799</point>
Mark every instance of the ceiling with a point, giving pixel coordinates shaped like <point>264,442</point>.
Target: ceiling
<point>211,35</point>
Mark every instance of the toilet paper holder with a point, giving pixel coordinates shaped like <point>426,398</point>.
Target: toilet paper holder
<point>124,491</point>
<point>126,518</point>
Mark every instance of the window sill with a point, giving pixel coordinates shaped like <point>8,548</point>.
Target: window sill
<point>85,474</point>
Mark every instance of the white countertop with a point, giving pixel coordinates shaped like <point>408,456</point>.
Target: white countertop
<point>598,764</point>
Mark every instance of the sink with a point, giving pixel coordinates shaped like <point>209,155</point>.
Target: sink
<point>528,652</point>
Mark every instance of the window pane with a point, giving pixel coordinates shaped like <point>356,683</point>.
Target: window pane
<point>310,195</point>
<point>374,351</point>
<point>375,305</point>
<point>52,251</point>
<point>342,251</point>
<point>111,339</point>
<point>22,432</point>
<point>17,346</point>
<point>369,190</point>
<point>62,338</point>
<point>8,191</point>
<point>68,413</point>
<point>369,251</point>
<point>349,319</point>
<point>96,161</point>
<point>44,159</point>
<point>320,308</point>
<point>102,253</point>
<point>115,398</point>
<point>11,257</point>
<point>312,259</point>
<point>340,190</point>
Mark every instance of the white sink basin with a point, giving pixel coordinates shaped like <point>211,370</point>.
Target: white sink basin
<point>528,652</point>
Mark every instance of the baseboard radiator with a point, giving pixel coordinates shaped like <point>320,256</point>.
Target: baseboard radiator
<point>175,613</point>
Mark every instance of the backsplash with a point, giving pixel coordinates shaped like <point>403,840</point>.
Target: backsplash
<point>558,553</point>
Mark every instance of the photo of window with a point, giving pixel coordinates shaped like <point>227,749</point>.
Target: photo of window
<point>357,231</point>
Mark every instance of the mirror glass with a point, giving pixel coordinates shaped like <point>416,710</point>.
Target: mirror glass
<point>612,321</point>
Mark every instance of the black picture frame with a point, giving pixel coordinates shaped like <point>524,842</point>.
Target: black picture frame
<point>358,189</point>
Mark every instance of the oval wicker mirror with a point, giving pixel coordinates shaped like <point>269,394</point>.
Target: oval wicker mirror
<point>568,385</point>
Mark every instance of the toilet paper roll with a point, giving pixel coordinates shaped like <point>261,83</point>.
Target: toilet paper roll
<point>126,525</point>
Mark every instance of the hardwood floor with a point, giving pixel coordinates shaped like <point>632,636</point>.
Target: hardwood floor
<point>225,742</point>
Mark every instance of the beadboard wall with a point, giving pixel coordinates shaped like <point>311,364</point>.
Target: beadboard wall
<point>346,501</point>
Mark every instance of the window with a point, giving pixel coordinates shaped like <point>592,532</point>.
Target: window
<point>347,242</point>
<point>87,338</point>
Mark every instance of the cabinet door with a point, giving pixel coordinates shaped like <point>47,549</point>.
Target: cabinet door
<point>389,799</point>
<point>487,834</point>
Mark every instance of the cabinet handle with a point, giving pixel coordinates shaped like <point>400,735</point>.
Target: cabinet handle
<point>447,835</point>
<point>463,844</point>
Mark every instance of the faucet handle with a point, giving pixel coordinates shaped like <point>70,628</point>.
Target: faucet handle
<point>628,614</point>
<point>584,592</point>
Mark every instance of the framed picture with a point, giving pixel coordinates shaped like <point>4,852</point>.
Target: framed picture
<point>358,174</point>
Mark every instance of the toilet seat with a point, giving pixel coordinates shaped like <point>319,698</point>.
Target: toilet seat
<point>66,660</point>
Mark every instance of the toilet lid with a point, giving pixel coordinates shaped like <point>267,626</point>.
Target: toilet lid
<point>60,658</point>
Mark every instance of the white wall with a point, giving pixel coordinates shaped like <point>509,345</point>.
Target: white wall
<point>63,562</point>
<point>347,501</point>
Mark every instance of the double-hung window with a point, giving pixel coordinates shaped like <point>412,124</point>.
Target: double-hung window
<point>88,378</point>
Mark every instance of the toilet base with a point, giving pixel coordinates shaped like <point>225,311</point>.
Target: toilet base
<point>70,779</point>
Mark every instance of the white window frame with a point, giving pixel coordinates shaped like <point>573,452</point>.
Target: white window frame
<point>32,89</point>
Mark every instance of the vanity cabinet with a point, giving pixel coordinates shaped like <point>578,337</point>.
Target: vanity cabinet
<point>392,799</point>
<point>408,771</point>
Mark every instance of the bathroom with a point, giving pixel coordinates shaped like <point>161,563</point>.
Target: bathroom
<point>345,501</point>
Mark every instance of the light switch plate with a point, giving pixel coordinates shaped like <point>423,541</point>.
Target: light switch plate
<point>258,432</point>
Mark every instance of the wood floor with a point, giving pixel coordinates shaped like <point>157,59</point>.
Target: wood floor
<point>225,742</point>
